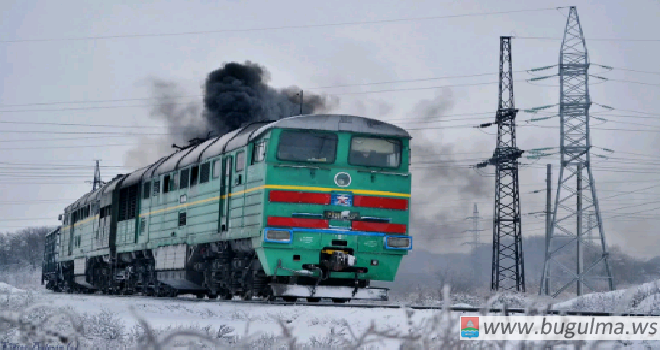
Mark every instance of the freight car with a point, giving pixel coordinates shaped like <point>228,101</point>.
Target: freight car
<point>313,206</point>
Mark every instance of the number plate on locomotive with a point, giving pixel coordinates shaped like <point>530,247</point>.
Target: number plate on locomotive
<point>341,215</point>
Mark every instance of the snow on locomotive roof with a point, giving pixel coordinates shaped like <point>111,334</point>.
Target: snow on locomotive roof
<point>337,122</point>
<point>239,138</point>
<point>182,158</point>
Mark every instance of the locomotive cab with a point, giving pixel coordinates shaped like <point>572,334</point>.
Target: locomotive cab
<point>336,208</point>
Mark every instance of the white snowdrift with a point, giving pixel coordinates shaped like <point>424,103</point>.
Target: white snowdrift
<point>644,298</point>
<point>6,289</point>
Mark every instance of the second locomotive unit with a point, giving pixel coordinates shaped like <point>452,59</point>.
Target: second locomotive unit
<point>313,206</point>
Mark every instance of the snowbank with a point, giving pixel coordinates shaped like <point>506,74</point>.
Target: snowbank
<point>6,289</point>
<point>644,298</point>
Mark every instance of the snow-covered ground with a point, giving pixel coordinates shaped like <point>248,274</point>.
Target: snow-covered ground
<point>310,325</point>
<point>642,299</point>
<point>113,322</point>
<point>8,289</point>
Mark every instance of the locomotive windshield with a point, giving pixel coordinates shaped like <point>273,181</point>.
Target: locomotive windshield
<point>376,152</point>
<point>307,147</point>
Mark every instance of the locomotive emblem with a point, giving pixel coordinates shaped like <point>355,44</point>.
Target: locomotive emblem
<point>342,200</point>
<point>345,200</point>
<point>343,179</point>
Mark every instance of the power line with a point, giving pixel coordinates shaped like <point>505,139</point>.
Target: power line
<point>615,129</point>
<point>631,70</point>
<point>632,82</point>
<point>410,80</point>
<point>301,26</point>
<point>628,110</point>
<point>171,102</point>
<point>199,95</point>
<point>557,38</point>
<point>400,81</point>
<point>84,146</point>
<point>92,101</point>
<point>83,124</point>
<point>49,132</point>
<point>61,164</point>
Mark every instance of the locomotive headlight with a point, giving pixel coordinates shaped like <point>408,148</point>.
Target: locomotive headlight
<point>279,236</point>
<point>342,179</point>
<point>398,242</point>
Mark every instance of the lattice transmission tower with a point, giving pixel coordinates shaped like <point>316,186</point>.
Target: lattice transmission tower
<point>97,183</point>
<point>476,237</point>
<point>576,191</point>
<point>508,272</point>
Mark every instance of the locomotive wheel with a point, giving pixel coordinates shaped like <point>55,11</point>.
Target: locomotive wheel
<point>290,299</point>
<point>225,295</point>
<point>313,300</point>
<point>269,294</point>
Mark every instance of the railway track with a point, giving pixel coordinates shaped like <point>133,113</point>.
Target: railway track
<point>501,310</point>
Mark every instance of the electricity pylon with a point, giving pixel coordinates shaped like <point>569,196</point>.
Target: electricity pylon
<point>97,176</point>
<point>508,270</point>
<point>475,228</point>
<point>576,191</point>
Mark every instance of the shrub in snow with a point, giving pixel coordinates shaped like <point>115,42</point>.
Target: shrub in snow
<point>106,330</point>
<point>105,325</point>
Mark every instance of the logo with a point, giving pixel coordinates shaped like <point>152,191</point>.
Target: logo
<point>343,179</point>
<point>345,200</point>
<point>469,327</point>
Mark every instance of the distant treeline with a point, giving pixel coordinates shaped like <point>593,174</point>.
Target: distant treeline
<point>470,273</point>
<point>24,247</point>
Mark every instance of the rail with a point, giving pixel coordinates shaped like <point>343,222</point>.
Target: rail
<point>498,310</point>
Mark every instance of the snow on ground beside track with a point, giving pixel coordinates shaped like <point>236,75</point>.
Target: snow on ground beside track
<point>643,299</point>
<point>6,288</point>
<point>308,322</point>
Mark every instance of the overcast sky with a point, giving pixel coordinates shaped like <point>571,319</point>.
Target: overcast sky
<point>43,171</point>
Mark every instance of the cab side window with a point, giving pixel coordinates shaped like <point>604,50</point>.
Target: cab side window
<point>259,152</point>
<point>240,161</point>
<point>185,178</point>
<point>217,168</point>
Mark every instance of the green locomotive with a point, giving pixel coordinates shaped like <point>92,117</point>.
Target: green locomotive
<point>313,206</point>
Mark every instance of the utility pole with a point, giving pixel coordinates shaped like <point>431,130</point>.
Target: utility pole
<point>97,176</point>
<point>543,289</point>
<point>579,230</point>
<point>566,226</point>
<point>508,270</point>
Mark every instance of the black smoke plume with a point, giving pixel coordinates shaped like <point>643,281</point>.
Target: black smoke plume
<point>444,186</point>
<point>237,94</point>
<point>234,95</point>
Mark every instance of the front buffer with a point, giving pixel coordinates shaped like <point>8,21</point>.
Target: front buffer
<point>330,263</point>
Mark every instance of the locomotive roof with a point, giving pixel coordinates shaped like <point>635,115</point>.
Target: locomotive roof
<point>336,122</point>
<point>55,231</point>
<point>239,138</point>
